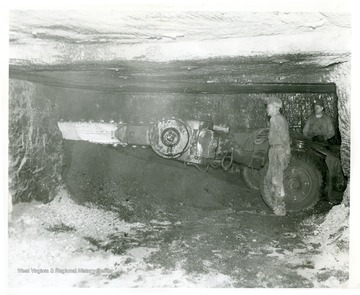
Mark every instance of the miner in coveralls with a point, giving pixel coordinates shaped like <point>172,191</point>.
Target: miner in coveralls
<point>279,157</point>
<point>319,126</point>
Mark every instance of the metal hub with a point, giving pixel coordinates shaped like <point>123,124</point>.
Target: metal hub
<point>294,183</point>
<point>297,184</point>
<point>170,137</point>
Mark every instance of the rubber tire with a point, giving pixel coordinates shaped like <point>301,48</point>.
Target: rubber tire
<point>302,183</point>
<point>251,177</point>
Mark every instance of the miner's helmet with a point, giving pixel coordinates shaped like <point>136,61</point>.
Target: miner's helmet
<point>319,102</point>
<point>274,101</point>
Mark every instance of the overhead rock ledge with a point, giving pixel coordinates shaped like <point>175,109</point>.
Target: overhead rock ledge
<point>55,37</point>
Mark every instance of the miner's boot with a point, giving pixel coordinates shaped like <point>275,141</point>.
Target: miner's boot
<point>279,207</point>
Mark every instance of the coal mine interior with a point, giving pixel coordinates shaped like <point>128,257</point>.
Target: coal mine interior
<point>88,210</point>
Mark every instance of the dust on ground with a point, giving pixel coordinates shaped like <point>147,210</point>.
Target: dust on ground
<point>64,244</point>
<point>127,218</point>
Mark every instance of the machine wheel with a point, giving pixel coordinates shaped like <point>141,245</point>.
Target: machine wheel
<point>169,138</point>
<point>251,177</point>
<point>302,183</point>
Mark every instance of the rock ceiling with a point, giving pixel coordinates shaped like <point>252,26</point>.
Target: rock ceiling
<point>55,37</point>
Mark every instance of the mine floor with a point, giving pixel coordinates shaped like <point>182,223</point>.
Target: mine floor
<point>150,238</point>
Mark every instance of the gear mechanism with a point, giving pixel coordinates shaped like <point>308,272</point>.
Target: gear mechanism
<point>169,138</point>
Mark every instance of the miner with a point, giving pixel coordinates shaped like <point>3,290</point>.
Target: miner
<point>279,157</point>
<point>319,126</point>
